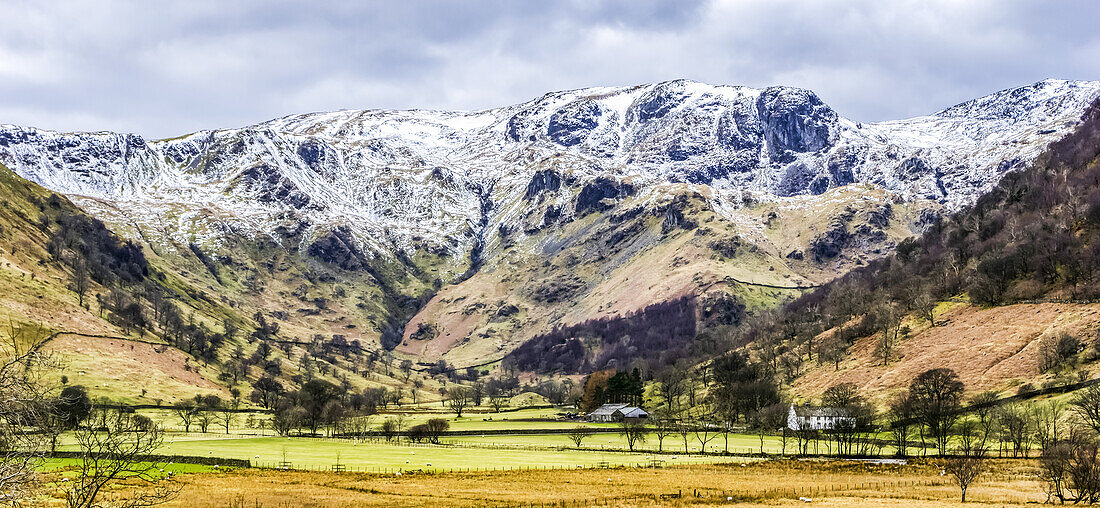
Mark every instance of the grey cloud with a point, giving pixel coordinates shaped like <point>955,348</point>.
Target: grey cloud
<point>165,69</point>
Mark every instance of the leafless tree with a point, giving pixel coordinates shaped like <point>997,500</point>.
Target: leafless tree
<point>970,462</point>
<point>663,426</point>
<point>119,452</point>
<point>889,322</point>
<point>925,304</point>
<point>1070,468</point>
<point>578,434</point>
<point>767,420</point>
<point>226,413</point>
<point>671,381</point>
<point>434,428</point>
<point>1047,417</point>
<point>1086,405</point>
<point>1016,424</point>
<point>498,401</point>
<point>458,398</point>
<point>81,282</point>
<point>899,419</point>
<point>633,431</point>
<point>24,402</point>
<point>186,410</point>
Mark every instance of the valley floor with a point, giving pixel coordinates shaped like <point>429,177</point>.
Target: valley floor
<point>770,483</point>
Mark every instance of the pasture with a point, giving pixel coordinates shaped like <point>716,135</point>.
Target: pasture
<point>320,453</point>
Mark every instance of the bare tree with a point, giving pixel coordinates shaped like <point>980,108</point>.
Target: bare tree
<point>767,420</point>
<point>24,400</point>
<point>227,412</point>
<point>458,399</point>
<point>1047,417</point>
<point>498,401</point>
<point>186,410</point>
<point>434,428</point>
<point>663,426</point>
<point>684,429</point>
<point>1070,468</point>
<point>935,397</point>
<point>925,304</point>
<point>81,281</point>
<point>671,381</point>
<point>578,434</point>
<point>633,431</point>
<point>119,452</point>
<point>406,369</point>
<point>888,319</point>
<point>1086,404</point>
<point>970,462</point>
<point>899,418</point>
<point>1017,428</point>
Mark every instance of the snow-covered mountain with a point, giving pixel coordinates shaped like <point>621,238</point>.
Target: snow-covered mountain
<point>493,225</point>
<point>399,178</point>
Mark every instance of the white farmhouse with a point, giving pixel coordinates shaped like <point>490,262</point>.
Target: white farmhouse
<point>818,418</point>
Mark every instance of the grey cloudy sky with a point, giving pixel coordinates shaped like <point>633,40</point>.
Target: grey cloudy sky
<point>167,68</point>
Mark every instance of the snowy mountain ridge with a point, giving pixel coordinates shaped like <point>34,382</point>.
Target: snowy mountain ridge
<point>404,180</point>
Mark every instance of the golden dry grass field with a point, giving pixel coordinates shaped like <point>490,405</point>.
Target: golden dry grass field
<point>773,483</point>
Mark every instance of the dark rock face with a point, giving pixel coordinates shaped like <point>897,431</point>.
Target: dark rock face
<point>675,218</point>
<point>314,155</point>
<point>927,219</point>
<point>593,193</point>
<point>841,163</point>
<point>681,151</point>
<point>272,187</point>
<point>570,125</point>
<point>504,312</point>
<point>543,181</point>
<point>829,244</point>
<point>794,120</point>
<point>552,214</point>
<point>721,309</point>
<point>800,178</point>
<point>556,289</point>
<point>880,218</point>
<point>739,130</point>
<point>795,254</point>
<point>180,153</point>
<point>913,167</point>
<point>338,248</point>
<point>726,247</point>
<point>515,128</point>
<point>657,103</point>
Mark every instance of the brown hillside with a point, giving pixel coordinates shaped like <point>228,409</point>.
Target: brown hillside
<point>991,349</point>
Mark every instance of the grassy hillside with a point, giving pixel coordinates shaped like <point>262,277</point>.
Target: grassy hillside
<point>120,314</point>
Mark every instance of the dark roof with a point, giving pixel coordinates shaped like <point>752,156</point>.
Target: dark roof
<point>607,409</point>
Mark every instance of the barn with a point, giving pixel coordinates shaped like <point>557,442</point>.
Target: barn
<point>610,413</point>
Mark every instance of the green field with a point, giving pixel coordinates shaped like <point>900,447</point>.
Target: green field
<point>738,443</point>
<point>55,464</point>
<point>311,453</point>
<point>522,419</point>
